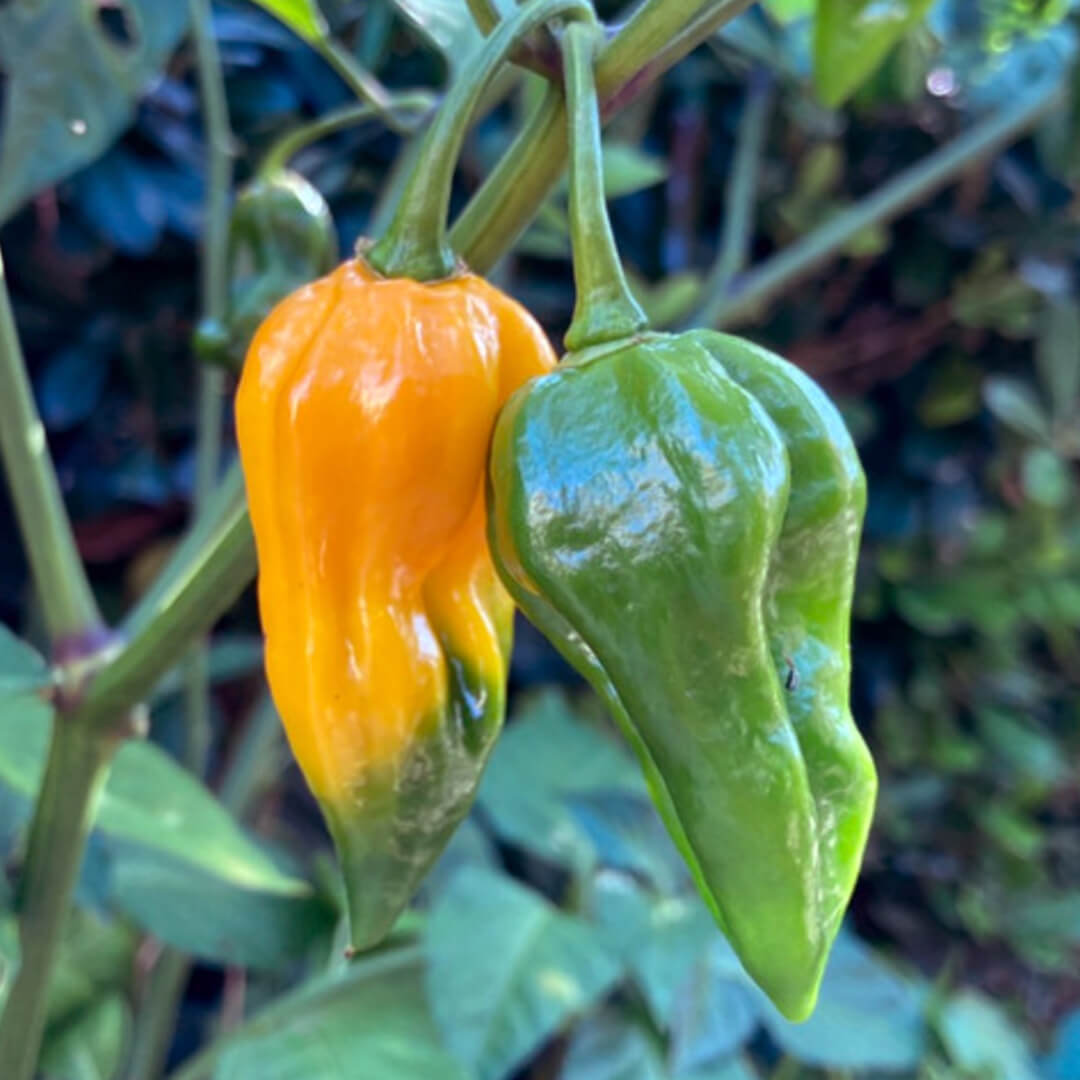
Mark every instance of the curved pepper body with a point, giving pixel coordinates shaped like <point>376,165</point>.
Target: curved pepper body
<point>363,417</point>
<point>637,495</point>
<point>808,603</point>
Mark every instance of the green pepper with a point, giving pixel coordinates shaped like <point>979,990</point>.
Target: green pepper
<point>808,603</point>
<point>680,515</point>
<point>281,236</point>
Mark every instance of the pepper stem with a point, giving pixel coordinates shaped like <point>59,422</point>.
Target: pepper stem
<point>605,309</point>
<point>415,244</point>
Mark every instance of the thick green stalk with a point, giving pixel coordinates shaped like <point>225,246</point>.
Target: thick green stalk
<point>76,768</point>
<point>657,36</point>
<point>605,309</point>
<point>71,614</point>
<point>749,294</point>
<point>415,245</point>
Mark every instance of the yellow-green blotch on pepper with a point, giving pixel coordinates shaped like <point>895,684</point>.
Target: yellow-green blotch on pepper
<point>363,416</point>
<point>685,533</point>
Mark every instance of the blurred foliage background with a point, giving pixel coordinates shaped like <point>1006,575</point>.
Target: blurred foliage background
<point>559,936</point>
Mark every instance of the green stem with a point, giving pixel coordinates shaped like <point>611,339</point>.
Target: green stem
<point>605,309</point>
<point>157,1016</point>
<point>746,296</point>
<point>71,614</point>
<point>292,142</point>
<point>77,764</point>
<point>360,81</point>
<point>215,299</point>
<point>256,760</point>
<point>657,36</point>
<point>741,193</point>
<point>415,244</point>
<point>309,997</point>
<point>212,571</point>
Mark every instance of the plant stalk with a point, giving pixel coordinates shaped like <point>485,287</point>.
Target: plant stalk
<point>657,36</point>
<point>605,309</point>
<point>415,244</point>
<point>74,773</point>
<point>745,296</point>
<point>70,611</point>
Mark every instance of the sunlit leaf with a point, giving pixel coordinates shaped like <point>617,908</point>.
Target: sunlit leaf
<point>148,800</point>
<point>852,37</point>
<point>303,17</point>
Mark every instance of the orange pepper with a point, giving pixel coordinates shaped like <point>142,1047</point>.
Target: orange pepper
<point>363,417</point>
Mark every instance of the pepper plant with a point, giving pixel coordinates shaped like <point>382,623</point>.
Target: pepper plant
<point>87,697</point>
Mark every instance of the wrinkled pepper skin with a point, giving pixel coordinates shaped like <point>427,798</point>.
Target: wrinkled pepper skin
<point>281,235</point>
<point>364,414</point>
<point>637,495</point>
<point>808,603</point>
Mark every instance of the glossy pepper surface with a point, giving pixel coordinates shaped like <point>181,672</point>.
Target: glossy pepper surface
<point>642,503</point>
<point>364,415</point>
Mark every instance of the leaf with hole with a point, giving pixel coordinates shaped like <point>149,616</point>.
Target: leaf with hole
<point>74,73</point>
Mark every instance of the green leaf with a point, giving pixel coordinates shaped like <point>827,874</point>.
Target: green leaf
<point>628,169</point>
<point>867,1016</point>
<point>371,1023</point>
<point>1057,356</point>
<point>1014,403</point>
<point>543,759</point>
<point>661,939</point>
<point>92,1046</point>
<point>96,957</point>
<point>608,1047</point>
<point>72,85</point>
<point>9,954</point>
<point>302,17</point>
<point>148,800</point>
<point>786,11</point>
<point>447,26</point>
<point>23,669</point>
<point>1045,478</point>
<point>853,37</point>
<point>198,913</point>
<point>979,1038</point>
<point>506,970</point>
